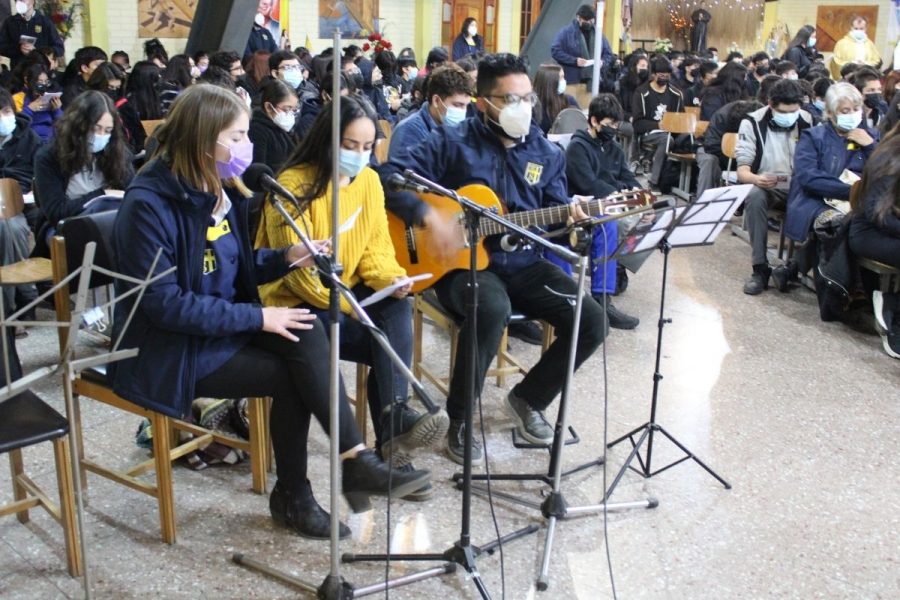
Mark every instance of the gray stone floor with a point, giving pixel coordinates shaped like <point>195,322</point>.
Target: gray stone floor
<point>799,415</point>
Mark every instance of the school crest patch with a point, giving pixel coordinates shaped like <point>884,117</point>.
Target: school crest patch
<point>533,173</point>
<point>38,29</point>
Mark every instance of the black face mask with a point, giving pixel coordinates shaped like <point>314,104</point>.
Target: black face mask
<point>40,89</point>
<point>873,100</point>
<point>586,27</point>
<point>605,133</point>
<point>660,80</point>
<point>643,75</point>
<point>114,94</point>
<point>762,71</point>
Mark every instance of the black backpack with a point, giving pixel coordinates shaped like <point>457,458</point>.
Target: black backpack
<point>836,274</point>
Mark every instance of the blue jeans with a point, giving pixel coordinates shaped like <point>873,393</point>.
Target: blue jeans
<point>603,272</point>
<point>386,383</point>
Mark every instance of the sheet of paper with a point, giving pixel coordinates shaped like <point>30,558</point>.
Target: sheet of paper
<point>385,292</point>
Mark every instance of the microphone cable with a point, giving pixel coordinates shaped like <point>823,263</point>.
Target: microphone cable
<point>605,371</point>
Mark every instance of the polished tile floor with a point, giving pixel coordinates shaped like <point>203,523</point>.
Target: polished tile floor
<point>800,416</point>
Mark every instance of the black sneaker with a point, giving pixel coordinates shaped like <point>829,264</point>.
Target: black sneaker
<point>423,493</point>
<point>616,318</point>
<point>531,423</point>
<point>891,342</point>
<point>773,224</point>
<point>759,281</point>
<point>411,430</point>
<point>300,512</point>
<point>456,437</point>
<point>527,331</point>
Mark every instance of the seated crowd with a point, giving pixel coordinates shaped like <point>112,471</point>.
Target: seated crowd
<point>83,140</point>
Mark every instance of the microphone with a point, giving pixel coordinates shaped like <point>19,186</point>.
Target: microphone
<point>512,242</point>
<point>260,178</point>
<point>398,183</point>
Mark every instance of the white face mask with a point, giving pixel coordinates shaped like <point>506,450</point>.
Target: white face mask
<point>195,72</point>
<point>515,120</point>
<point>472,31</point>
<point>285,120</point>
<point>561,87</point>
<point>7,125</point>
<point>21,8</point>
<point>259,19</point>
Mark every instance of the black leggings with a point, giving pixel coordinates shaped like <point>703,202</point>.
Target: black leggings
<point>296,376</point>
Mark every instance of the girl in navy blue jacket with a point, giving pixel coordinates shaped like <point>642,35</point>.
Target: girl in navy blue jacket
<point>202,331</point>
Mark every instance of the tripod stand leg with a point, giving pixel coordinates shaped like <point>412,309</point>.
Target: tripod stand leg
<point>255,565</point>
<point>543,578</point>
<point>693,457</point>
<point>628,461</point>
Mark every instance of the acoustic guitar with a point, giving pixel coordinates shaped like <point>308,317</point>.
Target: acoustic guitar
<point>413,245</point>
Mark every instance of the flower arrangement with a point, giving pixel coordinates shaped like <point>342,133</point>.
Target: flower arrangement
<point>663,45</point>
<point>377,43</point>
<point>62,13</point>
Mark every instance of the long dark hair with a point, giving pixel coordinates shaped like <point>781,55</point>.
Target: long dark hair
<point>464,30</point>
<point>632,79</point>
<point>546,81</point>
<point>317,148</point>
<point>802,38</point>
<point>729,83</point>
<point>73,130</point>
<point>143,91</point>
<point>103,74</point>
<point>178,71</point>
<point>883,164</point>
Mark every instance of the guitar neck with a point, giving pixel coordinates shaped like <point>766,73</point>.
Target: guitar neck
<point>548,216</point>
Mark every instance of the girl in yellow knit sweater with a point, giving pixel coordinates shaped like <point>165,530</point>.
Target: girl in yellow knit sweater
<point>367,256</point>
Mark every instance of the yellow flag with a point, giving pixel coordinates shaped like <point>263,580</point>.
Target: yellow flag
<point>308,43</point>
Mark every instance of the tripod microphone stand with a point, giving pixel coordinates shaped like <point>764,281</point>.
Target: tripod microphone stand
<point>694,225</point>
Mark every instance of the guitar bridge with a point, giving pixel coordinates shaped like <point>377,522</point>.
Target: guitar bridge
<point>411,247</point>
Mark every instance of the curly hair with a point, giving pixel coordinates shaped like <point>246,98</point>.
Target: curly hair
<point>449,80</point>
<point>73,130</point>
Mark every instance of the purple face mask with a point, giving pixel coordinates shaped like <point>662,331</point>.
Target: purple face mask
<point>240,159</point>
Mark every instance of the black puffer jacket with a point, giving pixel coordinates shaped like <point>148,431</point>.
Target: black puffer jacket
<point>272,145</point>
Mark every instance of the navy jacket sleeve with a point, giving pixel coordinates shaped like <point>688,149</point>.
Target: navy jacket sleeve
<point>580,173</point>
<point>51,184</point>
<point>808,157</point>
<point>143,231</point>
<point>625,176</point>
<point>9,40</point>
<point>428,159</point>
<point>270,264</point>
<point>460,48</point>
<point>561,49</point>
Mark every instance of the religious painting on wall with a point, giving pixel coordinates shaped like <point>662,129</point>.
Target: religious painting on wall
<point>269,16</point>
<point>165,18</point>
<point>833,23</point>
<point>354,18</point>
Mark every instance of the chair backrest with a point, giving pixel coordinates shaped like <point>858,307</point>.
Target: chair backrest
<point>569,120</point>
<point>151,125</point>
<point>381,149</point>
<point>854,195</point>
<point>73,234</point>
<point>729,143</point>
<point>678,122</point>
<point>385,127</point>
<point>701,128</point>
<point>695,110</point>
<point>12,202</point>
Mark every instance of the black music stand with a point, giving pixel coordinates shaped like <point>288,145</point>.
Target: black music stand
<point>696,224</point>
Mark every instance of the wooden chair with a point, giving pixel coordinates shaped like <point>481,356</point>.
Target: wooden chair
<point>382,147</point>
<point>694,110</point>
<point>426,304</point>
<point>729,144</point>
<point>26,420</point>
<point>151,125</point>
<point>685,123</point>
<point>66,248</point>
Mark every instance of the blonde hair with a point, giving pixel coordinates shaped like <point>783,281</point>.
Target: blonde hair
<point>187,138</point>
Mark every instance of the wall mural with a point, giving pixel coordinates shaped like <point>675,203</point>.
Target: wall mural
<point>354,18</point>
<point>165,18</point>
<point>833,23</point>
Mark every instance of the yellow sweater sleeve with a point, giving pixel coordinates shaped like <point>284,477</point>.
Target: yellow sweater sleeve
<point>378,266</point>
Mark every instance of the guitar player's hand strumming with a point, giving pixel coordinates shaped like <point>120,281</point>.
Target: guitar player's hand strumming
<point>576,210</point>
<point>445,239</point>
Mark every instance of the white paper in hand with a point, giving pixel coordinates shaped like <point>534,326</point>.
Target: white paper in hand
<point>385,292</point>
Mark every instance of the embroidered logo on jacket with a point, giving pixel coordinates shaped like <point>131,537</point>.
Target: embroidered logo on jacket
<point>533,173</point>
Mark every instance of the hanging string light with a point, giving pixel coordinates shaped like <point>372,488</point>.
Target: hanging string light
<point>685,5</point>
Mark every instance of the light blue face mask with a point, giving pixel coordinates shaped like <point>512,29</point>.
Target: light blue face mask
<point>412,74</point>
<point>293,78</point>
<point>849,121</point>
<point>351,163</point>
<point>99,142</point>
<point>785,120</point>
<point>820,104</point>
<point>453,115</point>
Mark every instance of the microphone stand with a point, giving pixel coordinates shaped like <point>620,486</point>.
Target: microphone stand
<point>335,587</point>
<point>463,552</point>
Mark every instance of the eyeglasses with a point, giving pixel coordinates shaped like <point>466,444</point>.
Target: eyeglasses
<point>237,69</point>
<point>291,68</point>
<point>289,110</point>
<point>514,99</point>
